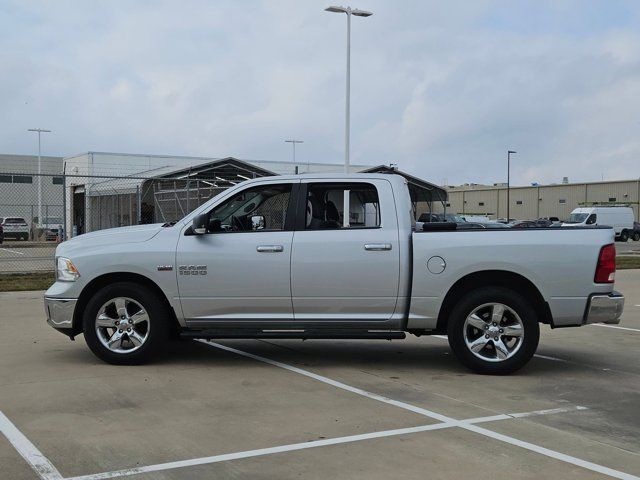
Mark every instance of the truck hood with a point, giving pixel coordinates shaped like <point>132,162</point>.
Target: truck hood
<point>110,236</point>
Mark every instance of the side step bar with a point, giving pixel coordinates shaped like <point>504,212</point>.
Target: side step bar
<point>297,334</point>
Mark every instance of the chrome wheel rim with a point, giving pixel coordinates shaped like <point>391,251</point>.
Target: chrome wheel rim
<point>493,332</point>
<point>122,325</point>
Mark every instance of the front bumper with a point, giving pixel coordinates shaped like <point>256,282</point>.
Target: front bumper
<point>60,312</point>
<point>604,308</point>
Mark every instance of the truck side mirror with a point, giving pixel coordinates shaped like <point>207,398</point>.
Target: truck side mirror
<point>257,222</point>
<point>199,224</point>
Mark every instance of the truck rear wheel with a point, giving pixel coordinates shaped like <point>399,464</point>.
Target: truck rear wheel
<point>125,324</point>
<point>493,330</point>
<point>624,236</point>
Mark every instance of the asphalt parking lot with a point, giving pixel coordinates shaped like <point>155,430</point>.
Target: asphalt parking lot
<point>25,257</point>
<point>318,409</point>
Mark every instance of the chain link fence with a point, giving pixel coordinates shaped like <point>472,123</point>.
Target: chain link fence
<point>37,211</point>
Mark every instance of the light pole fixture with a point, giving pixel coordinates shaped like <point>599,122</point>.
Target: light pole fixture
<point>293,143</point>
<point>40,131</point>
<point>358,13</point>
<point>509,152</point>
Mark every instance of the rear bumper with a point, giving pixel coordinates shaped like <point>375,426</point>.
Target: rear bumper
<point>60,312</point>
<point>604,308</point>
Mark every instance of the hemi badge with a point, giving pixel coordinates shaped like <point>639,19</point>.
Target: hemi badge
<point>165,268</point>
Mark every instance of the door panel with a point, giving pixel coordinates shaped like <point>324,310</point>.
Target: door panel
<point>241,282</point>
<point>240,269</point>
<point>346,274</point>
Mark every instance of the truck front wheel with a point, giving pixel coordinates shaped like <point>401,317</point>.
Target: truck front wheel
<point>124,323</point>
<point>493,330</point>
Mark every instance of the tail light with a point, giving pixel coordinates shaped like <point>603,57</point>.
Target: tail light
<point>606,269</point>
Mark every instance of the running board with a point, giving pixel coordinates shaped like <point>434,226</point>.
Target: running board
<point>297,334</point>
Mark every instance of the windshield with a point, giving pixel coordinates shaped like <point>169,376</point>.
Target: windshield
<point>52,221</point>
<point>577,217</point>
<point>453,218</point>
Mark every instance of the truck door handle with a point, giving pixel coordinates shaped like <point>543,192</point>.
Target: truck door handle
<point>269,248</point>
<point>376,247</point>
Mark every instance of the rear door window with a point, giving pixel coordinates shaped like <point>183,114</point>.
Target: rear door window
<point>325,206</point>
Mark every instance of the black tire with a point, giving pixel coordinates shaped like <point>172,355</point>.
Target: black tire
<point>487,295</point>
<point>636,236</point>
<point>159,323</point>
<point>624,236</point>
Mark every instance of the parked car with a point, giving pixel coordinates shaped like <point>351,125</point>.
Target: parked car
<point>1,234</point>
<point>50,228</point>
<point>621,219</point>
<point>475,218</point>
<point>15,227</point>
<point>635,236</point>
<point>527,224</point>
<point>270,258</point>
<point>440,217</point>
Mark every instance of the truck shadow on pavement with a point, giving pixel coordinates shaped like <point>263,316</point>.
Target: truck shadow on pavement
<point>317,354</point>
<point>311,355</point>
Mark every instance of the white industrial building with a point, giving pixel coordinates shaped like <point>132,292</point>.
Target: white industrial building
<point>541,201</point>
<point>20,182</point>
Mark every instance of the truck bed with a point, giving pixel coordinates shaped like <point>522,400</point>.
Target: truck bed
<point>545,257</point>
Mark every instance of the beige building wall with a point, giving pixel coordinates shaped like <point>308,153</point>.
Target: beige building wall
<point>533,202</point>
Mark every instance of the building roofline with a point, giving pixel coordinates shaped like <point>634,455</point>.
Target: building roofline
<point>246,160</point>
<point>461,188</point>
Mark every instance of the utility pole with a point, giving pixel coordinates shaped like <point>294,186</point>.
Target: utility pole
<point>509,152</point>
<point>40,131</point>
<point>358,13</point>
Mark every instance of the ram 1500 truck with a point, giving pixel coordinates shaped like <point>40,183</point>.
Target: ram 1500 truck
<point>274,257</point>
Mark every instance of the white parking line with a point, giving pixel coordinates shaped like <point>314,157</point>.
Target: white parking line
<point>546,357</point>
<point>40,464</point>
<point>45,469</point>
<point>12,251</point>
<point>615,326</point>
<point>444,337</point>
<point>316,443</point>
<point>442,418</point>
<point>262,451</point>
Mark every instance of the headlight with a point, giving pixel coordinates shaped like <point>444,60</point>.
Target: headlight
<point>66,271</point>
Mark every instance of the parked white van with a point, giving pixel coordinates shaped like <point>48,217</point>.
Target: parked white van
<point>620,218</point>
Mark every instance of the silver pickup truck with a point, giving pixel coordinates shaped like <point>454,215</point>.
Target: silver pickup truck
<point>275,257</point>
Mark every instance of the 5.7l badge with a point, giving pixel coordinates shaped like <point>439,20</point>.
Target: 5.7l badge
<point>192,269</point>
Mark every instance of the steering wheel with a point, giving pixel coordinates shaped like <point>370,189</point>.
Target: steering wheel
<point>236,224</point>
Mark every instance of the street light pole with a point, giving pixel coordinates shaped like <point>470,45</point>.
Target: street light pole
<point>40,131</point>
<point>509,152</point>
<point>347,121</point>
<point>293,142</point>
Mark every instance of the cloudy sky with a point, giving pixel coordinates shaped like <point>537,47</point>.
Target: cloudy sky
<point>442,88</point>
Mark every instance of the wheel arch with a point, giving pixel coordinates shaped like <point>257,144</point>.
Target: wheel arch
<point>494,278</point>
<point>106,279</point>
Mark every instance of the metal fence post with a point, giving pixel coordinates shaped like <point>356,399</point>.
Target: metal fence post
<point>138,205</point>
<point>63,237</point>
